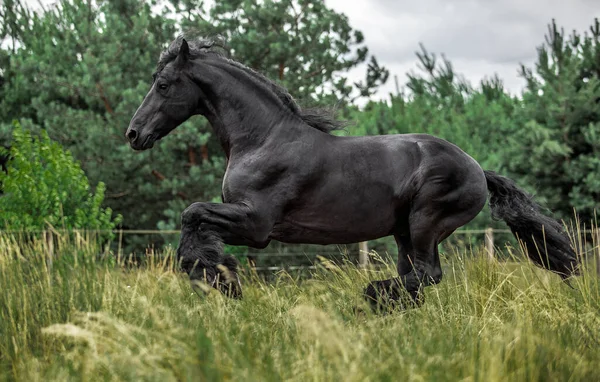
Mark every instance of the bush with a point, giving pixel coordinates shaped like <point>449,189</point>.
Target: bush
<point>44,186</point>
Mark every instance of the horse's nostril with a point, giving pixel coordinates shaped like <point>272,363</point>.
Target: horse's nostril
<point>132,134</point>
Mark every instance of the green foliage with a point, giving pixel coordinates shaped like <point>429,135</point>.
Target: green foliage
<point>79,73</point>
<point>44,186</point>
<point>80,70</point>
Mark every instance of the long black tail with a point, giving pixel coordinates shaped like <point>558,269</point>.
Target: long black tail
<point>545,241</point>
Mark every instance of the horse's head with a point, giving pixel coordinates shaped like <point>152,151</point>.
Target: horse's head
<point>172,99</point>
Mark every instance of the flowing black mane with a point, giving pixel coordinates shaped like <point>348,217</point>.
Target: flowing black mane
<point>321,119</point>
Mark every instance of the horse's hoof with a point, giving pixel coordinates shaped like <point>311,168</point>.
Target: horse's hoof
<point>359,311</point>
<point>387,295</point>
<point>232,290</point>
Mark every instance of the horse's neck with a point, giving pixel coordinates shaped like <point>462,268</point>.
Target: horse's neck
<point>244,115</point>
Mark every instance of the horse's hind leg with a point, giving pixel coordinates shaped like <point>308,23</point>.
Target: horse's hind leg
<point>418,257</point>
<point>394,292</point>
<point>405,266</point>
<point>406,259</point>
<point>418,266</point>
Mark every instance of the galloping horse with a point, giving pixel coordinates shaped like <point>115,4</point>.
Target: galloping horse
<point>289,179</point>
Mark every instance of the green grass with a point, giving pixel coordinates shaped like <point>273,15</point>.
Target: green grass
<point>88,317</point>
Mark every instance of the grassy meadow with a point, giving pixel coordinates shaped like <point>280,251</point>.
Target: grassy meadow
<point>89,317</point>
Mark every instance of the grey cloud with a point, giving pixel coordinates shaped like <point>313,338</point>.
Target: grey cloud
<point>481,38</point>
<point>484,39</point>
<point>500,31</point>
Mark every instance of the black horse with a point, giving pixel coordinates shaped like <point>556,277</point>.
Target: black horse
<point>289,179</point>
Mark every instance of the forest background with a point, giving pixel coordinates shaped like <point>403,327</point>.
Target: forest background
<point>73,74</point>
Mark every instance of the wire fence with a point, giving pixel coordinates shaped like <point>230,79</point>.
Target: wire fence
<point>293,257</point>
<point>276,256</point>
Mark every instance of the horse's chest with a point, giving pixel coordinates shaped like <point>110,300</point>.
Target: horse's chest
<point>236,182</point>
<point>250,176</point>
<point>225,192</point>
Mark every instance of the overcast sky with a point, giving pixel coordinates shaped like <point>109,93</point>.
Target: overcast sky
<point>479,37</point>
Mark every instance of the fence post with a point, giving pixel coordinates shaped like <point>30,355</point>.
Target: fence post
<point>49,241</point>
<point>363,254</point>
<point>489,242</point>
<point>120,246</point>
<point>598,264</point>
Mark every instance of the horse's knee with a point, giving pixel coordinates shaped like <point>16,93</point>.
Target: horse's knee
<point>193,214</point>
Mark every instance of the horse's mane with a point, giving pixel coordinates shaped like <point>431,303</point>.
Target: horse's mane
<point>319,118</point>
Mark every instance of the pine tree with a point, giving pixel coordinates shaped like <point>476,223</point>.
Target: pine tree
<point>556,150</point>
<point>303,44</point>
<point>79,71</point>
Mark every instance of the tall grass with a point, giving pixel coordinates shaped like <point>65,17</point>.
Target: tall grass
<point>87,316</point>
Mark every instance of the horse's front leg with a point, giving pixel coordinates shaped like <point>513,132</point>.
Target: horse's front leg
<point>204,229</point>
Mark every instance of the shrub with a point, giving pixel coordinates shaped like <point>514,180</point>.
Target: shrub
<point>44,186</point>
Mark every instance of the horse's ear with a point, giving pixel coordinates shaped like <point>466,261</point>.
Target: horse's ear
<point>184,52</point>
<point>184,49</point>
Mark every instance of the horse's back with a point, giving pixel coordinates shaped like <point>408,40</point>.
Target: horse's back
<point>413,157</point>
<point>428,168</point>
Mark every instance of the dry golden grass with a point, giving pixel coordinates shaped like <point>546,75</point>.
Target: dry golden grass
<point>88,317</point>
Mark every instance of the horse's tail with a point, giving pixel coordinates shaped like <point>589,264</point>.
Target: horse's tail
<point>545,241</point>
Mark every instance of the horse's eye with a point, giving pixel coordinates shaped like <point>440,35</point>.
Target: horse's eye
<point>163,86</point>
